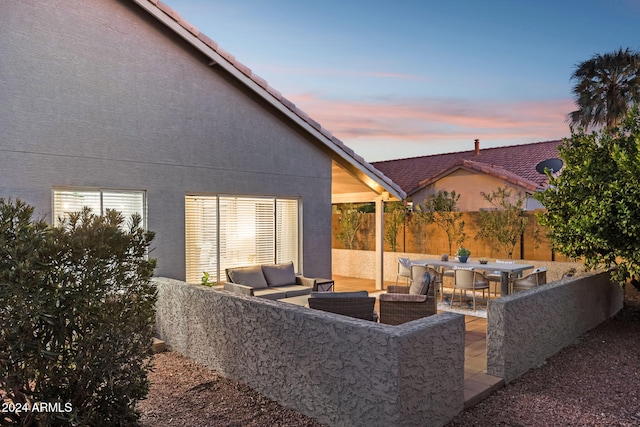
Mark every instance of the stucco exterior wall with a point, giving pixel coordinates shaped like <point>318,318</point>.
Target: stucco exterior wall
<point>96,93</point>
<point>338,370</point>
<point>526,328</point>
<point>470,185</point>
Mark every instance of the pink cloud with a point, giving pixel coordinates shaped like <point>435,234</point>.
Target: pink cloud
<point>428,120</point>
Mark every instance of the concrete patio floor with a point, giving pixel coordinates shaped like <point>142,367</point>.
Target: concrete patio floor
<point>477,383</point>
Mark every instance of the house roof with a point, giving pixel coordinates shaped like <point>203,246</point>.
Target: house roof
<point>515,164</point>
<point>345,156</point>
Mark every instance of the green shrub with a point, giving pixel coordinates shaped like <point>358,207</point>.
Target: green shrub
<point>76,316</point>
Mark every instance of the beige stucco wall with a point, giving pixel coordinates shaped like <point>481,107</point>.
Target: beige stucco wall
<point>469,185</point>
<point>335,369</point>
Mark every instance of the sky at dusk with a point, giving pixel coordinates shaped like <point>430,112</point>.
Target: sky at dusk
<point>395,79</point>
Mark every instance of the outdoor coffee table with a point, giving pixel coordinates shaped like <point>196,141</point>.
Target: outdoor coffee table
<point>301,300</point>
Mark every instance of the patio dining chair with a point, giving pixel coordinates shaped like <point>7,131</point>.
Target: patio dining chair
<point>469,280</point>
<point>445,273</point>
<point>404,270</point>
<point>495,277</point>
<point>534,279</point>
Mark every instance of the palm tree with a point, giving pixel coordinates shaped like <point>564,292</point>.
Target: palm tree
<point>606,86</point>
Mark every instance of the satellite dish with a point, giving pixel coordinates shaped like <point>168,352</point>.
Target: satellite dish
<point>554,165</point>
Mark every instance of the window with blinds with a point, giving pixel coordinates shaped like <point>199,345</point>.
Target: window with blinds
<point>66,201</point>
<point>233,231</point>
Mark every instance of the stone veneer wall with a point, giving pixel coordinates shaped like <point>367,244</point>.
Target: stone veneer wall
<point>356,263</point>
<point>337,370</point>
<point>527,327</point>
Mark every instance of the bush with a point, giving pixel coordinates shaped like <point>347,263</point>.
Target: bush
<point>76,319</point>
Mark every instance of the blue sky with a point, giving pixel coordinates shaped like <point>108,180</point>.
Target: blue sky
<point>396,79</point>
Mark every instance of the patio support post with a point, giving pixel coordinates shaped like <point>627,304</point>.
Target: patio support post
<point>380,240</point>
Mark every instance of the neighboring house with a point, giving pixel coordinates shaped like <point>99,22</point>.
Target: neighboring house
<point>121,104</point>
<point>472,173</point>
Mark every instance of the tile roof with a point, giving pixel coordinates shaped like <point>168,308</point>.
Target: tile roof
<point>515,164</point>
<point>334,143</point>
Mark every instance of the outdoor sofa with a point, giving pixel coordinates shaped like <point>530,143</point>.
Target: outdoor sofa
<point>270,281</point>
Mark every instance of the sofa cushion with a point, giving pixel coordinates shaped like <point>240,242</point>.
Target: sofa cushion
<point>402,298</point>
<point>279,274</point>
<point>270,293</point>
<point>294,290</point>
<point>249,276</point>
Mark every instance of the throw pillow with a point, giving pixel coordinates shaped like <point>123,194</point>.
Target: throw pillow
<point>249,276</point>
<point>420,286</point>
<point>279,274</point>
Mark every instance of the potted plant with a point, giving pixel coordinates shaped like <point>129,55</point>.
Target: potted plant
<point>483,260</point>
<point>463,254</point>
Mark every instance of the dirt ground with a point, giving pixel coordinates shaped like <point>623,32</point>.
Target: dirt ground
<point>595,382</point>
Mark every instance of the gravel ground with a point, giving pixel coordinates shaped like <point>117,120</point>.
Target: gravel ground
<point>594,382</point>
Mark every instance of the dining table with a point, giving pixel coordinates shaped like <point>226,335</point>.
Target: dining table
<point>506,269</point>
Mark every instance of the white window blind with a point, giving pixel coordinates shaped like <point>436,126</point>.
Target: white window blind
<point>287,231</point>
<point>201,237</point>
<point>69,201</point>
<point>125,202</point>
<point>232,231</point>
<point>66,201</point>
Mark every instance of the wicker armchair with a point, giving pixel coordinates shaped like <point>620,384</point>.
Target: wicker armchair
<point>353,304</point>
<point>403,304</point>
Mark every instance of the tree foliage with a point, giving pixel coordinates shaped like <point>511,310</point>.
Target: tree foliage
<point>593,207</point>
<point>76,318</point>
<point>395,219</point>
<point>441,209</point>
<point>351,219</point>
<point>504,225</point>
<point>606,87</point>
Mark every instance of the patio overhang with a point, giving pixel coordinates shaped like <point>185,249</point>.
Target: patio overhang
<point>354,185</point>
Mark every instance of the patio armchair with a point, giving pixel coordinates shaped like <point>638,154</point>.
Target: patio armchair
<point>402,304</point>
<point>534,279</point>
<point>469,280</point>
